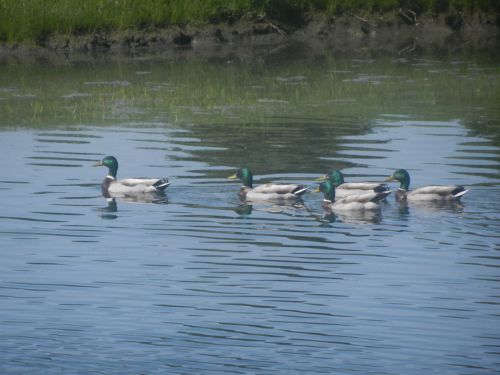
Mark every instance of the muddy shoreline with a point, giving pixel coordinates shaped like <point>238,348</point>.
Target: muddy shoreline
<point>399,33</point>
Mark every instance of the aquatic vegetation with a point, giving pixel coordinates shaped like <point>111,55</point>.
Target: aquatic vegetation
<point>200,91</point>
<point>332,98</point>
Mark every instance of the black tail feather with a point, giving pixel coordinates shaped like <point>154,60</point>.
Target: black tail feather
<point>459,191</point>
<point>382,188</point>
<point>382,195</point>
<point>299,190</point>
<point>162,184</point>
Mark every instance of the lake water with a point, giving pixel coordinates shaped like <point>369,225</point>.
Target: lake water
<point>200,283</point>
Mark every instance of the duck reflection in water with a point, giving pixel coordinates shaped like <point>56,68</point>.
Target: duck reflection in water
<point>243,210</point>
<point>356,217</point>
<point>109,210</point>
<point>112,207</point>
<point>431,207</point>
<point>246,209</point>
<point>326,219</point>
<point>366,217</point>
<point>157,198</point>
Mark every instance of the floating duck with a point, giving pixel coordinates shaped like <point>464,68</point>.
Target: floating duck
<point>344,189</point>
<point>111,187</point>
<point>266,192</point>
<point>426,193</point>
<point>359,202</point>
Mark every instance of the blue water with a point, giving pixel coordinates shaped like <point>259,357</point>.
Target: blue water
<point>200,283</point>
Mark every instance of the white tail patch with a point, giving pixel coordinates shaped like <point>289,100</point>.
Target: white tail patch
<point>459,194</point>
<point>301,191</point>
<point>163,185</point>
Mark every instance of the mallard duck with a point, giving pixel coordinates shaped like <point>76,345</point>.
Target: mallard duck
<point>359,202</point>
<point>111,187</point>
<point>426,193</point>
<point>273,192</point>
<point>344,189</point>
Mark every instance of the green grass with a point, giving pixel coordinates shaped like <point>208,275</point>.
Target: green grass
<point>35,20</point>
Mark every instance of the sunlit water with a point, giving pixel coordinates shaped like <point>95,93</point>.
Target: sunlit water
<point>201,283</point>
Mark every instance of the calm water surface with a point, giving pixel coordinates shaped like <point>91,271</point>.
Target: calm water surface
<point>201,283</point>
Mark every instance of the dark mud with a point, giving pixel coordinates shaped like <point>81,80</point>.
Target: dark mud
<point>401,33</point>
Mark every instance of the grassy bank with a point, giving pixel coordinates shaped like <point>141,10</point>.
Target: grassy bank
<point>33,21</point>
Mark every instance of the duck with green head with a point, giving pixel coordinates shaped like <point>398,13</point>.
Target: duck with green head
<point>112,187</point>
<point>266,192</point>
<point>437,193</point>
<point>344,189</point>
<point>357,202</point>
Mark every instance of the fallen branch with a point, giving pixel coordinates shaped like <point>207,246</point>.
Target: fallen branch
<point>279,30</point>
<point>409,48</point>
<point>412,21</point>
<point>360,18</point>
<point>364,20</point>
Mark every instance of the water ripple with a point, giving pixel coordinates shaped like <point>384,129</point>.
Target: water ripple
<point>202,283</point>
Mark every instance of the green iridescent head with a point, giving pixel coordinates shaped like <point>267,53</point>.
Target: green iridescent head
<point>335,176</point>
<point>403,177</point>
<point>245,175</point>
<point>111,163</point>
<point>328,189</point>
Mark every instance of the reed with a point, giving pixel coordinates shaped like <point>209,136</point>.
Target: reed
<point>33,21</point>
